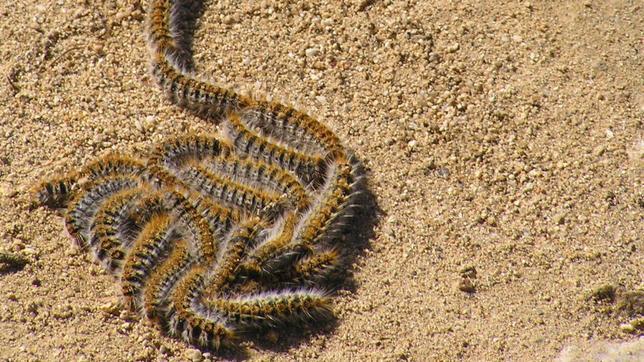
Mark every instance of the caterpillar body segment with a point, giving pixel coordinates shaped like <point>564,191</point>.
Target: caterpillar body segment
<point>82,209</point>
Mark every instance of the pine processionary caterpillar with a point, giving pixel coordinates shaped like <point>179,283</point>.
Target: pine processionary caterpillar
<point>162,281</point>
<point>148,248</point>
<point>214,236</point>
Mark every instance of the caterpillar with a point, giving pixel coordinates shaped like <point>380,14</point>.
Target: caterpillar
<point>214,237</point>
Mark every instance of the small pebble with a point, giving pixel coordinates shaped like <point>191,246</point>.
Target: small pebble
<point>560,219</point>
<point>110,308</point>
<point>139,126</point>
<point>6,190</point>
<point>469,272</point>
<point>63,311</point>
<point>193,355</point>
<point>453,48</point>
<point>466,285</point>
<point>229,20</point>
<point>311,52</point>
<point>18,245</point>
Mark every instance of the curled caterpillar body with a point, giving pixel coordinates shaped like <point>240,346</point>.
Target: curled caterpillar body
<point>81,210</point>
<point>112,228</point>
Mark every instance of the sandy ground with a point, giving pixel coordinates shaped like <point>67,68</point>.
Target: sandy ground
<point>503,141</point>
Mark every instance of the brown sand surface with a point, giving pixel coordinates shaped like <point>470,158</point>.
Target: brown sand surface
<point>503,141</point>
